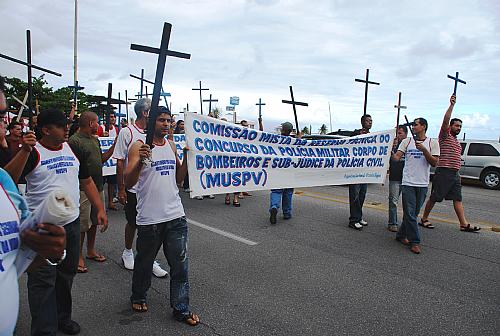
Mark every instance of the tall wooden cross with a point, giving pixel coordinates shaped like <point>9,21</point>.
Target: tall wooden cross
<point>260,104</point>
<point>142,79</point>
<point>76,88</point>
<point>109,107</point>
<point>210,103</point>
<point>294,103</point>
<point>457,80</point>
<point>399,107</point>
<point>162,52</point>
<point>29,66</point>
<point>126,105</point>
<point>201,98</point>
<point>366,81</point>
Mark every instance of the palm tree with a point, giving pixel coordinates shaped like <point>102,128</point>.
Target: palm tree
<point>323,129</point>
<point>305,130</point>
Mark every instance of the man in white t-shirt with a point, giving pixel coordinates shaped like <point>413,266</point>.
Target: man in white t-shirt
<point>420,153</point>
<point>126,196</point>
<point>13,210</point>
<point>155,174</point>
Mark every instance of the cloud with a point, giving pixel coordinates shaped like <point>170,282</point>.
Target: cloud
<point>476,120</point>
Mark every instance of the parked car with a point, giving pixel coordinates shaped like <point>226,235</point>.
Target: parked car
<point>481,161</point>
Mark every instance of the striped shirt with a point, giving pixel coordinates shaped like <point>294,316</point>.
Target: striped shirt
<point>450,150</point>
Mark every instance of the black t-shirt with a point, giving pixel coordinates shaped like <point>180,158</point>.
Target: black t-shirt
<point>396,167</point>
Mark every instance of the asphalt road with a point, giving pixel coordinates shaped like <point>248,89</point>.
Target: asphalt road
<point>311,275</point>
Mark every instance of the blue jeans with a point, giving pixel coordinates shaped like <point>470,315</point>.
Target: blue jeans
<point>173,235</point>
<point>394,192</point>
<point>413,199</point>
<point>283,196</point>
<point>357,194</point>
<point>49,287</point>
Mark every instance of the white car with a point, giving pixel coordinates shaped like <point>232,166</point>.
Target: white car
<point>481,161</point>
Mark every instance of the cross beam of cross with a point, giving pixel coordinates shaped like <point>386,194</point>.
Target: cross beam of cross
<point>399,107</point>
<point>367,82</point>
<point>294,103</point>
<point>210,103</point>
<point>201,98</point>
<point>457,80</point>
<point>29,65</point>
<point>260,104</point>
<point>162,53</point>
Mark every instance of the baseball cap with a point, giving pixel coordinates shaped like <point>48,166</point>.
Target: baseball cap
<point>287,126</point>
<point>52,117</point>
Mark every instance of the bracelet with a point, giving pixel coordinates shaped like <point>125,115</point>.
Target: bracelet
<point>58,261</point>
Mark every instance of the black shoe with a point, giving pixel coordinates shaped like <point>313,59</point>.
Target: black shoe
<point>69,327</point>
<point>287,216</point>
<point>272,218</point>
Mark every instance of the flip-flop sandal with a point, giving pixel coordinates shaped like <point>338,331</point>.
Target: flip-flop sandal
<point>426,224</point>
<point>227,201</point>
<point>140,307</point>
<point>98,258</point>
<point>236,204</point>
<point>82,269</point>
<point>469,228</point>
<point>190,319</point>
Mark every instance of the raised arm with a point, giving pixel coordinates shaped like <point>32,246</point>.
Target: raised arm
<point>447,115</point>
<point>16,166</point>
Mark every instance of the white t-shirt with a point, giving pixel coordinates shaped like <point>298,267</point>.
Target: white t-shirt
<point>9,247</point>
<point>126,138</point>
<point>417,169</point>
<point>55,169</point>
<point>158,197</point>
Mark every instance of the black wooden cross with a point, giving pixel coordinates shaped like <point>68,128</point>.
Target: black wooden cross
<point>260,104</point>
<point>109,107</point>
<point>457,80</point>
<point>201,99</point>
<point>76,88</point>
<point>142,79</point>
<point>210,103</point>
<point>126,105</point>
<point>399,107</point>
<point>293,102</point>
<point>162,52</point>
<point>29,66</point>
<point>366,81</point>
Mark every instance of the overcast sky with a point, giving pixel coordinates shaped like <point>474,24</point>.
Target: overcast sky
<point>257,48</point>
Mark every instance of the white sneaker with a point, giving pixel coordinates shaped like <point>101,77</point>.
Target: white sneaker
<point>187,190</point>
<point>200,198</point>
<point>211,196</point>
<point>158,271</point>
<point>128,260</point>
<point>363,222</point>
<point>115,199</point>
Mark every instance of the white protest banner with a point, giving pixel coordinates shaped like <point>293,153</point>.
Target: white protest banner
<point>226,158</point>
<point>180,143</point>
<point>108,167</point>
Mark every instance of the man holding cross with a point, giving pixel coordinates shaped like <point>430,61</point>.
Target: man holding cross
<point>446,183</point>
<point>160,218</point>
<point>421,152</point>
<point>357,192</point>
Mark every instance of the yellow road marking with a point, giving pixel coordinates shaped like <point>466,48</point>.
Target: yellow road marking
<point>383,208</point>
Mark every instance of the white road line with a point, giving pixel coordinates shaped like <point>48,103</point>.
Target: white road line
<point>222,233</point>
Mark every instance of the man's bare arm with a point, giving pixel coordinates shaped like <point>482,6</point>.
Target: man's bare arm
<point>447,115</point>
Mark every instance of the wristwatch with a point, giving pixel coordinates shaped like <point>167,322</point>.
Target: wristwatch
<point>56,262</point>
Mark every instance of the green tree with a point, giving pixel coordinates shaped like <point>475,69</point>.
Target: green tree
<point>323,129</point>
<point>215,113</point>
<point>305,130</point>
